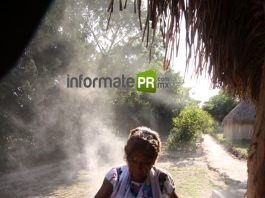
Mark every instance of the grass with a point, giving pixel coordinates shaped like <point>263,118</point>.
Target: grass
<point>240,146</point>
<point>192,181</point>
<point>220,137</point>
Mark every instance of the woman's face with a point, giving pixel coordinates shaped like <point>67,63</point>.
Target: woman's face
<point>139,166</point>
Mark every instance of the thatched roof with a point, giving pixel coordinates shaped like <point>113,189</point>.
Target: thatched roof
<point>243,113</point>
<point>227,37</point>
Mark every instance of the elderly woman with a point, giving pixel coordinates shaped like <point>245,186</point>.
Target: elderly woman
<point>139,178</point>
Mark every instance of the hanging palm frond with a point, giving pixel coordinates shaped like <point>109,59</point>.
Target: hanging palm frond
<point>227,38</point>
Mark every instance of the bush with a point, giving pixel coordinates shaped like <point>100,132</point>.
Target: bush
<point>189,126</point>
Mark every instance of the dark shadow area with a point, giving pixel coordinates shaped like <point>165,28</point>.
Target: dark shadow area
<point>19,21</point>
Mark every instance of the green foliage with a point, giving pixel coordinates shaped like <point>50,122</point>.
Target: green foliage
<point>155,110</point>
<point>188,127</point>
<point>239,148</point>
<point>40,119</point>
<point>220,105</point>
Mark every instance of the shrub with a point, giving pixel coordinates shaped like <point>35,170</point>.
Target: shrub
<point>188,127</point>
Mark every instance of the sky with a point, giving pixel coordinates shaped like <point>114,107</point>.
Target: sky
<point>201,86</point>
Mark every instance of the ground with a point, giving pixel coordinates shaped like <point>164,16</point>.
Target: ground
<point>196,174</point>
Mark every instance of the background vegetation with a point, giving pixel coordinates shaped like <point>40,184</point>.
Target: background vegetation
<point>41,120</point>
<point>220,105</point>
<point>189,126</point>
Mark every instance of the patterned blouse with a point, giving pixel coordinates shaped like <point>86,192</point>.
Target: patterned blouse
<point>143,190</point>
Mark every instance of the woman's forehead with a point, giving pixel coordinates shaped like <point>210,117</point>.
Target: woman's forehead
<point>140,155</point>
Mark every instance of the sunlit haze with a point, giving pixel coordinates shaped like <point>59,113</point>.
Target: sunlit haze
<point>201,86</point>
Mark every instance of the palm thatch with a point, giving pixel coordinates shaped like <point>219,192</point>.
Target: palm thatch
<point>243,113</point>
<point>227,38</point>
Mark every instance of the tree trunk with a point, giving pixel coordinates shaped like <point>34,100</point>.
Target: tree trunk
<point>256,160</point>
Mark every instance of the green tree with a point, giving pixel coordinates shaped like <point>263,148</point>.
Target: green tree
<point>220,105</point>
<point>155,109</point>
<point>188,127</point>
<point>35,111</point>
<point>72,38</point>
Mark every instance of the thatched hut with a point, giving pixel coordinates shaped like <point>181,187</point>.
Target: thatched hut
<point>227,38</point>
<point>239,123</point>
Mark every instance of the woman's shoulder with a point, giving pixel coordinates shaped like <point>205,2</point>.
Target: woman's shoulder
<point>161,172</point>
<point>114,173</point>
<point>165,180</point>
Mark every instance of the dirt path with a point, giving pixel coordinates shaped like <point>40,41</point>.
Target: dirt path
<point>190,173</point>
<point>71,178</point>
<point>65,179</point>
<point>223,162</point>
